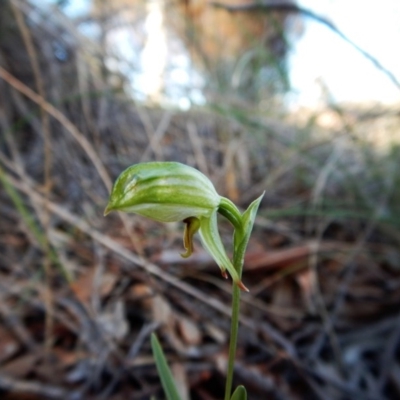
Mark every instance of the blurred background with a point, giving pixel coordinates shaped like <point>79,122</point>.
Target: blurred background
<point>300,99</point>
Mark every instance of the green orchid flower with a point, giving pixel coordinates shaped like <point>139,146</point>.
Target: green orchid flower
<point>171,192</point>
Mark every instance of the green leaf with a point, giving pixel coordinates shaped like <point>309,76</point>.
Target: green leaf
<point>164,371</point>
<point>242,236</point>
<point>211,241</point>
<point>240,393</point>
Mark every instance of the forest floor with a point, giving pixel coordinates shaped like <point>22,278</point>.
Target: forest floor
<point>80,293</point>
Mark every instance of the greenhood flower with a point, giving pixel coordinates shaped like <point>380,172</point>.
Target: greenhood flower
<point>171,192</point>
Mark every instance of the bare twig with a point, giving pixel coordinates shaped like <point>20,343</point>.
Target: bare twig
<point>62,119</point>
<point>31,388</point>
<point>388,356</point>
<point>278,6</point>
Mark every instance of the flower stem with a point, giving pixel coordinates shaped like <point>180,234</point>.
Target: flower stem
<point>238,261</point>
<point>243,224</point>
<point>233,340</point>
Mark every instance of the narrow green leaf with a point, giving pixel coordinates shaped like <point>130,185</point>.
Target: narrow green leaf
<point>164,372</point>
<point>239,394</point>
<point>212,242</point>
<point>242,236</point>
<point>22,209</point>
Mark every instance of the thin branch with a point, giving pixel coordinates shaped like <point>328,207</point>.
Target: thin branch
<point>293,8</point>
<point>21,387</point>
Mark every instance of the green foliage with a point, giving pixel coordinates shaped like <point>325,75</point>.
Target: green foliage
<point>242,235</point>
<point>239,394</point>
<point>167,380</point>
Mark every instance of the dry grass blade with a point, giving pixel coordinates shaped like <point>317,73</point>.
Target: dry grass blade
<point>62,119</point>
<point>47,164</point>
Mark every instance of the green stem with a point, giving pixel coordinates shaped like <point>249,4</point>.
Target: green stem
<point>238,260</point>
<point>230,212</point>
<point>243,224</point>
<point>233,340</point>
